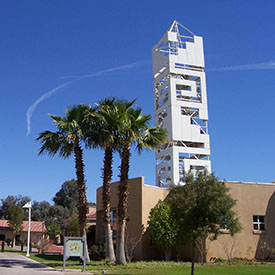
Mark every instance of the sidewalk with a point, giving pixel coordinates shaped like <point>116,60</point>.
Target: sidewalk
<point>13,263</point>
<point>18,248</point>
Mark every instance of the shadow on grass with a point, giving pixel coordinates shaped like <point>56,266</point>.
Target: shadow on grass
<point>49,257</point>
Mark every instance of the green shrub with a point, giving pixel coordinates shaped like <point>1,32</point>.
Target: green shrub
<point>97,252</point>
<point>220,261</point>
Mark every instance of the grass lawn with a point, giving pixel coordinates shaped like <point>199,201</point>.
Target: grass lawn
<point>157,268</point>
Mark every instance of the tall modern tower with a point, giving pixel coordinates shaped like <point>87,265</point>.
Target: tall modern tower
<point>181,105</point>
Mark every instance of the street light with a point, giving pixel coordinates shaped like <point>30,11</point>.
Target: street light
<point>29,206</point>
<point>54,221</point>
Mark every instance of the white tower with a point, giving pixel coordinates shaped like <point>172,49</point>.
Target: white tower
<point>181,104</point>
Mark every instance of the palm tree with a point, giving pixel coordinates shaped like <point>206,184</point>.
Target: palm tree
<point>135,130</point>
<point>110,114</point>
<point>67,141</point>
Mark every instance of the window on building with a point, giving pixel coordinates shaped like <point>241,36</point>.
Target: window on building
<point>113,216</point>
<point>258,223</point>
<point>223,226</point>
<point>113,219</point>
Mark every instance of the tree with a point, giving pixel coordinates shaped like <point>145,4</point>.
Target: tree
<point>57,214</point>
<point>134,129</point>
<point>9,201</point>
<point>105,135</point>
<point>67,141</point>
<point>53,230</point>
<point>131,242</point>
<point>40,211</point>
<point>65,205</point>
<point>72,229</point>
<point>15,218</point>
<point>67,196</point>
<point>200,207</point>
<point>52,215</point>
<point>163,228</point>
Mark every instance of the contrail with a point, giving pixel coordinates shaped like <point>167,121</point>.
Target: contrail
<point>76,78</point>
<point>270,65</point>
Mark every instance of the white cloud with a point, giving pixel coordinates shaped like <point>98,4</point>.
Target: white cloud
<point>55,90</point>
<point>270,65</point>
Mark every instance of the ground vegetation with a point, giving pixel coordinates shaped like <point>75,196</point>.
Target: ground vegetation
<point>163,228</point>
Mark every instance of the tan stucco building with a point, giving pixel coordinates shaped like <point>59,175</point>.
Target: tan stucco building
<point>256,210</point>
<point>255,207</point>
<point>37,230</point>
<point>142,198</point>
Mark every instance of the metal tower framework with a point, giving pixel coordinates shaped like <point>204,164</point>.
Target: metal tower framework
<point>181,105</point>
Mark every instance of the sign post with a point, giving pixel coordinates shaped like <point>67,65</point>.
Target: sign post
<point>29,206</point>
<point>74,247</point>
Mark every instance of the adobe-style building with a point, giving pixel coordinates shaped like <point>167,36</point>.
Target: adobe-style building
<point>256,210</point>
<point>180,106</point>
<point>37,231</point>
<point>255,207</point>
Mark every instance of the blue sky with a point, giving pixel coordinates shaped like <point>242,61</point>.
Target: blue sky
<point>45,44</point>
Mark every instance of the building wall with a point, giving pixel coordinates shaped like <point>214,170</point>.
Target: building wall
<point>134,223</point>
<point>142,198</point>
<point>35,236</point>
<point>150,197</point>
<point>252,199</point>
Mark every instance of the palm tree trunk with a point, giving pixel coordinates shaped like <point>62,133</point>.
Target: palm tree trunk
<point>106,194</point>
<point>120,248</point>
<point>122,204</point>
<point>82,199</point>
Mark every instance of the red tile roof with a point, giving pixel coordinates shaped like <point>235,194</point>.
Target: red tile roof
<point>35,226</point>
<point>91,216</point>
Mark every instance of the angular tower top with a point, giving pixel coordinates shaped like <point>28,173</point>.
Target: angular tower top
<point>180,30</point>
<point>178,46</point>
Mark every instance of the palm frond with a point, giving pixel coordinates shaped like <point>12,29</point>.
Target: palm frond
<point>153,138</point>
<point>51,142</point>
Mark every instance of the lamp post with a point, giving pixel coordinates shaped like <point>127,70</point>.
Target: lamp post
<point>29,206</point>
<point>54,222</point>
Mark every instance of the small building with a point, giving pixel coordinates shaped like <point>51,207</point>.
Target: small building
<point>90,224</point>
<point>37,231</point>
<point>255,208</point>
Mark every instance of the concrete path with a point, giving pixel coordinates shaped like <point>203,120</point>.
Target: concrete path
<point>18,248</point>
<point>13,263</point>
